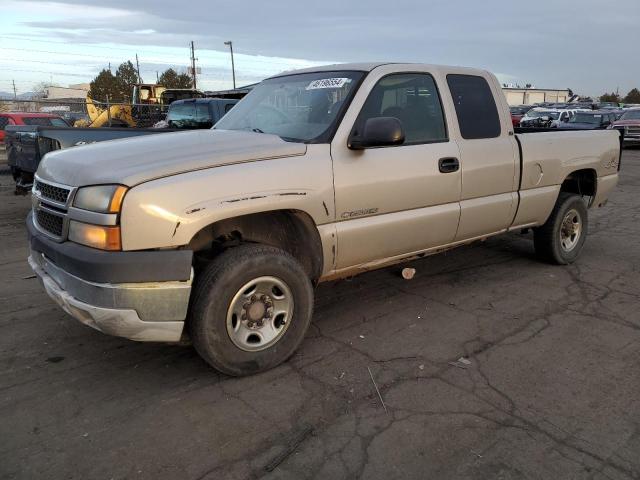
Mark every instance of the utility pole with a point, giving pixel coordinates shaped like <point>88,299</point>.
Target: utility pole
<point>233,67</point>
<point>193,65</point>
<point>157,77</point>
<point>138,69</point>
<point>15,95</point>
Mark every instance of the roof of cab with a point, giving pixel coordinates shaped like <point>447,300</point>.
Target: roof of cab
<point>368,66</point>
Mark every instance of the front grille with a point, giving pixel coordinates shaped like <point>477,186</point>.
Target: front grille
<point>633,130</point>
<point>53,193</point>
<point>50,222</point>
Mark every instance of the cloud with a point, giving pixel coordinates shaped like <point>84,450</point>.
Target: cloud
<point>584,44</point>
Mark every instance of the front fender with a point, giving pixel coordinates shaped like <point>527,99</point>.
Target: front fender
<point>168,212</point>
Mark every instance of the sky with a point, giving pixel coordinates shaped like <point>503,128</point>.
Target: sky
<point>590,46</point>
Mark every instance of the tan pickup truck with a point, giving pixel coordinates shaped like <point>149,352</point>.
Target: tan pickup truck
<point>221,235</point>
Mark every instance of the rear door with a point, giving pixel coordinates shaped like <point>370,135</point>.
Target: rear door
<point>488,154</point>
<point>396,200</point>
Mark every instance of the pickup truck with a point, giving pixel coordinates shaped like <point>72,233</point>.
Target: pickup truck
<point>220,235</point>
<point>26,145</point>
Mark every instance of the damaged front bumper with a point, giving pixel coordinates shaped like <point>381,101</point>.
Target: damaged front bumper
<point>141,296</point>
<point>100,306</point>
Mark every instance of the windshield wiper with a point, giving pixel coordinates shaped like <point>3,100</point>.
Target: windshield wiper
<point>257,130</point>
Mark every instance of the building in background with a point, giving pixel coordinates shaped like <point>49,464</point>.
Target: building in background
<point>529,96</point>
<point>72,92</point>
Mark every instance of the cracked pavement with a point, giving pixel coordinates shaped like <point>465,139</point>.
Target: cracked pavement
<point>552,389</point>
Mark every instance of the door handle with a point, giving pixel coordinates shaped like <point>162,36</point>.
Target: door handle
<point>448,165</point>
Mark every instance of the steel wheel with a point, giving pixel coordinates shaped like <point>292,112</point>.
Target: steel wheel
<point>259,314</point>
<point>570,230</point>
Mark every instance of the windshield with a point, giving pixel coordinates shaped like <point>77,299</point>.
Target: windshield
<point>540,114</point>
<point>297,108</point>
<point>631,115</point>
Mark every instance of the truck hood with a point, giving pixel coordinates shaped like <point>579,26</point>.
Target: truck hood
<point>135,160</point>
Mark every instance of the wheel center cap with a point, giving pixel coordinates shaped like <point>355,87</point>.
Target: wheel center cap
<point>256,311</point>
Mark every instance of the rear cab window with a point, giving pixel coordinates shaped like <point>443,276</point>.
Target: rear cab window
<point>39,121</point>
<point>475,107</point>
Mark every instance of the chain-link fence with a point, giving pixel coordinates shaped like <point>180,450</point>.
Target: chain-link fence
<point>88,113</point>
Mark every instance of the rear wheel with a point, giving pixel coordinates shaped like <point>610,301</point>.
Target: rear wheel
<point>561,238</point>
<point>250,310</point>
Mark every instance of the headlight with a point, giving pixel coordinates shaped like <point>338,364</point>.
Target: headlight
<point>96,236</point>
<point>101,198</point>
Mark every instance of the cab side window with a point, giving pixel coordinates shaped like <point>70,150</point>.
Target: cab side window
<point>3,122</point>
<point>413,99</point>
<point>475,107</point>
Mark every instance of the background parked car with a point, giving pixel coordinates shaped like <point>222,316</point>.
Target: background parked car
<point>545,118</point>
<point>38,119</point>
<point>629,122</point>
<point>518,112</point>
<point>596,119</point>
<point>198,112</point>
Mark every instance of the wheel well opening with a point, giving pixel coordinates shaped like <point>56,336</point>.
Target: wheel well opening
<point>581,182</point>
<point>291,230</point>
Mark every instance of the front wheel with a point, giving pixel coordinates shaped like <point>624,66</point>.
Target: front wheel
<point>561,238</point>
<point>250,310</point>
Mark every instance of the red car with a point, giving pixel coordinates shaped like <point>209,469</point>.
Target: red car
<point>19,118</point>
<point>518,112</point>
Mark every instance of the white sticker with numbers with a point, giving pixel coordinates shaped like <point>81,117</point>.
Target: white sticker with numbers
<point>328,83</point>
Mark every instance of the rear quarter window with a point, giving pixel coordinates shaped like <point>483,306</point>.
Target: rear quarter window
<point>475,106</point>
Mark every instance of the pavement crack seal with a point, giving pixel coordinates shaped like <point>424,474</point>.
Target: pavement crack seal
<point>291,447</point>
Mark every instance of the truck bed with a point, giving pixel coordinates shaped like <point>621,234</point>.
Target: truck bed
<point>547,157</point>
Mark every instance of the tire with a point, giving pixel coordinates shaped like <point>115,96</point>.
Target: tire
<point>561,238</point>
<point>226,340</point>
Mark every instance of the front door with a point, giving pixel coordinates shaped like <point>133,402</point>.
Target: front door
<point>397,200</point>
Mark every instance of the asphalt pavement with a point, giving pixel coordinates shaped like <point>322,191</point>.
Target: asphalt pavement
<point>490,364</point>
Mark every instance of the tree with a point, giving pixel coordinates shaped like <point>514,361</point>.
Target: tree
<point>127,77</point>
<point>172,79</point>
<point>610,97</point>
<point>104,86</point>
<point>633,96</point>
<point>118,87</point>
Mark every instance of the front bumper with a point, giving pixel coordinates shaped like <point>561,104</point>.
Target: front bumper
<point>150,310</point>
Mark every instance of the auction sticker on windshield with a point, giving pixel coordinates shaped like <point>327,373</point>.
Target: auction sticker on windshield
<point>328,83</point>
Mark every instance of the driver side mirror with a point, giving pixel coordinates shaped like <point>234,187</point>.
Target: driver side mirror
<point>378,132</point>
